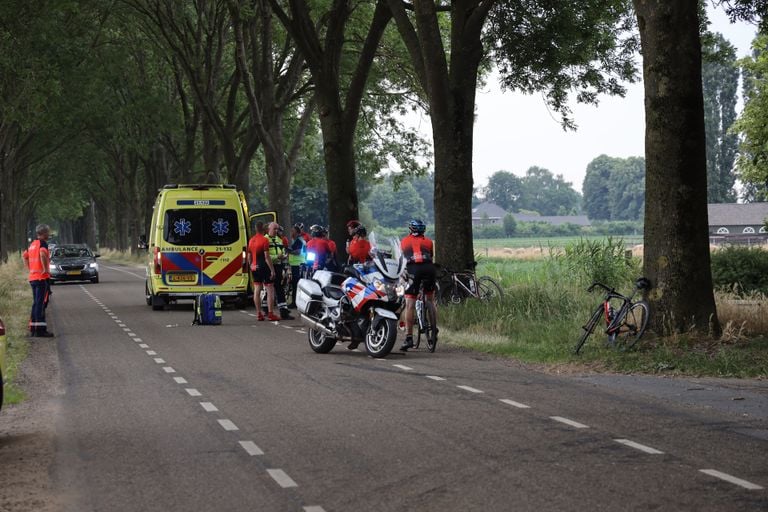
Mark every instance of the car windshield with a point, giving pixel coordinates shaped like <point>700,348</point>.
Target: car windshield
<point>71,252</point>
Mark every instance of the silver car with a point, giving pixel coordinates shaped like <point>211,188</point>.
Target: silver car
<point>74,262</point>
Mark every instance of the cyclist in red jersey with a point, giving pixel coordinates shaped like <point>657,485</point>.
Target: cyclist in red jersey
<point>263,271</point>
<point>359,248</point>
<point>418,251</point>
<point>318,250</point>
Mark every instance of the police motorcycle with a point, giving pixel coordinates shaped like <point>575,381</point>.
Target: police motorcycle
<point>360,305</point>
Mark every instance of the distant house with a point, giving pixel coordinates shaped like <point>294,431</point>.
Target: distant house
<point>737,222</point>
<point>489,213</point>
<point>486,214</point>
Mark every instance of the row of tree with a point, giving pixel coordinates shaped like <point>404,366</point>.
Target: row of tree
<point>104,100</point>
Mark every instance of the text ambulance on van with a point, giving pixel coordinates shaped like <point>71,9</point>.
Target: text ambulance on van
<point>197,243</point>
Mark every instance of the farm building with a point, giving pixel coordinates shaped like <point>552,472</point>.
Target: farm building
<point>733,222</point>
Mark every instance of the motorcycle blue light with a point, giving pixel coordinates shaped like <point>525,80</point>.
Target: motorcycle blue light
<point>310,256</point>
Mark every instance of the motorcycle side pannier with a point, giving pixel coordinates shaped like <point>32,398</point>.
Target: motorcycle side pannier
<point>308,291</point>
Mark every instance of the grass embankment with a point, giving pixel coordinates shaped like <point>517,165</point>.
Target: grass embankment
<point>124,257</point>
<point>15,305</point>
<point>540,317</point>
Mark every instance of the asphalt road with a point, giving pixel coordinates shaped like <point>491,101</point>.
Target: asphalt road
<point>160,415</point>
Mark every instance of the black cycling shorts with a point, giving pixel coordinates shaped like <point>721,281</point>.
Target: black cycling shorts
<point>421,273</point>
<point>262,275</point>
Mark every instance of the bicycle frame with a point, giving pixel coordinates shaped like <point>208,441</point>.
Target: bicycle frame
<point>613,324</point>
<point>472,278</point>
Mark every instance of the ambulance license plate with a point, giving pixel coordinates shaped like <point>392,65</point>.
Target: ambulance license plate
<point>185,277</point>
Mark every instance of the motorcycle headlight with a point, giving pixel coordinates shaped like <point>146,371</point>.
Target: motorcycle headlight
<point>400,290</point>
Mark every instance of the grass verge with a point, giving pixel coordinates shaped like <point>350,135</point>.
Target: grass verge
<point>540,317</point>
<point>15,305</point>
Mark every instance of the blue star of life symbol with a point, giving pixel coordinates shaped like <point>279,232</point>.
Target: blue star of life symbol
<point>220,227</point>
<point>182,227</point>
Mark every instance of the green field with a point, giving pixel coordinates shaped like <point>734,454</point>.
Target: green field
<point>546,242</point>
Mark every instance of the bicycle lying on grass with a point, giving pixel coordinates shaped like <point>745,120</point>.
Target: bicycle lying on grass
<point>464,284</point>
<point>625,325</point>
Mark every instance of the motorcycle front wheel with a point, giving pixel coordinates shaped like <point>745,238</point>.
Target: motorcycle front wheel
<point>381,337</point>
<point>320,342</point>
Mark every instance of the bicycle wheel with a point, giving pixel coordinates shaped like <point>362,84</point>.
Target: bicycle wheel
<point>430,321</point>
<point>451,294</point>
<point>632,326</point>
<point>420,320</point>
<point>488,289</point>
<point>589,328</point>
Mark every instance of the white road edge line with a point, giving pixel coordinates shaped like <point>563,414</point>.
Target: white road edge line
<point>227,425</point>
<point>574,424</point>
<point>470,389</point>
<point>638,446</point>
<point>209,407</point>
<point>251,448</point>
<point>402,367</point>
<point>282,479</point>
<point>193,392</point>
<point>514,404</point>
<point>732,479</point>
<point>434,377</point>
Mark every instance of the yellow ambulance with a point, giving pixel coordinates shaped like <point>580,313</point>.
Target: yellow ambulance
<point>198,240</point>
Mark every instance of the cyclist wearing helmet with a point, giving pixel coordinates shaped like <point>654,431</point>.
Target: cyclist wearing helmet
<point>318,250</point>
<point>331,263</point>
<point>359,248</point>
<point>418,251</point>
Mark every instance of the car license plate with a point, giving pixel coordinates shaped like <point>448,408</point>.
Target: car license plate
<point>187,277</point>
<point>74,272</point>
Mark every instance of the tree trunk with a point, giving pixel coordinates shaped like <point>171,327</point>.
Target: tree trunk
<point>340,175</point>
<point>677,259</point>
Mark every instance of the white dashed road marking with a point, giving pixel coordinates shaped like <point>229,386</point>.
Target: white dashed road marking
<point>732,479</point>
<point>151,353</point>
<point>638,446</point>
<point>314,509</point>
<point>470,389</point>
<point>514,404</point>
<point>402,367</point>
<point>434,377</point>
<point>168,369</point>
<point>180,380</point>
<point>143,345</point>
<point>227,425</point>
<point>251,448</point>
<point>193,392</point>
<point>159,360</point>
<point>282,479</point>
<point>574,424</point>
<point>209,407</point>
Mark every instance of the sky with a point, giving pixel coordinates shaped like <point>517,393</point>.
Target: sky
<point>514,131</point>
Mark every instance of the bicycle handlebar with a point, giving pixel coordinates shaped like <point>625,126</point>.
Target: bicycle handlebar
<point>601,285</point>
